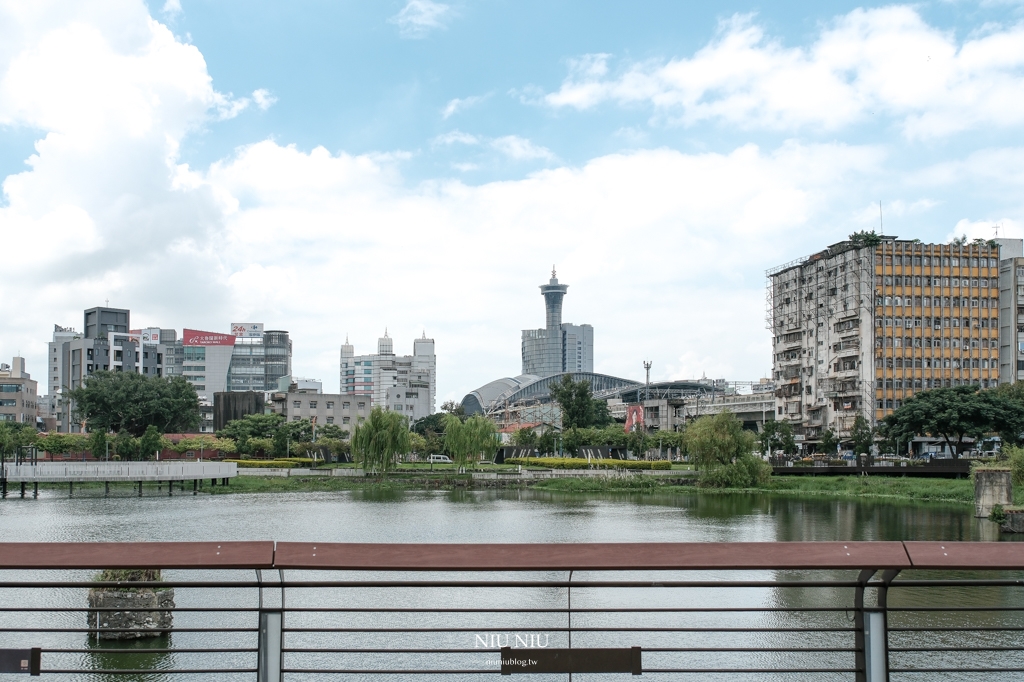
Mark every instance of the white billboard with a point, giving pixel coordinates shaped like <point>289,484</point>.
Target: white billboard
<point>151,335</point>
<point>249,330</point>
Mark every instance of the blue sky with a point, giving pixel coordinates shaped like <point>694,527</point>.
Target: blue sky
<point>335,168</point>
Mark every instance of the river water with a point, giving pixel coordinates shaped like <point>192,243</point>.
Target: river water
<point>495,516</point>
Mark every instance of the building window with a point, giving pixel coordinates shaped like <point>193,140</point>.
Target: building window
<point>296,403</point>
<point>361,406</point>
<point>312,404</point>
<point>330,404</point>
<point>330,420</point>
<point>344,420</point>
<point>346,405</point>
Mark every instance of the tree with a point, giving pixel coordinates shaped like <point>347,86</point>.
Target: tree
<point>14,435</point>
<point>260,446</point>
<point>260,426</point>
<point>829,442</point>
<point>865,238</point>
<point>99,445</point>
<point>63,443</point>
<point>723,452</point>
<point>862,436</point>
<point>432,422</point>
<point>332,431</point>
<point>126,446</point>
<point>151,443</point>
<point>126,401</point>
<point>525,438</point>
<point>777,435</point>
<point>547,444</point>
<point>575,400</point>
<point>205,444</point>
<point>378,440</point>
<point>955,415</point>
<point>469,440</point>
<point>452,407</point>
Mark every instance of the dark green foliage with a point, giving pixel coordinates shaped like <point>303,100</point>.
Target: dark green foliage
<point>332,431</point>
<point>433,423</point>
<point>126,401</point>
<point>251,426</point>
<point>862,436</point>
<point>126,446</point>
<point>829,442</point>
<point>955,414</point>
<point>777,435</point>
<point>525,437</point>
<point>452,407</point>
<point>14,435</point>
<point>150,443</point>
<point>723,452</point>
<point>99,445</point>
<point>63,443</point>
<point>579,408</point>
<point>865,238</point>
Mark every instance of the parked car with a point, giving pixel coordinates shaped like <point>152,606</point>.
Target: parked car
<point>439,459</point>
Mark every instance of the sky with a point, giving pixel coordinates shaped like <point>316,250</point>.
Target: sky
<point>341,168</point>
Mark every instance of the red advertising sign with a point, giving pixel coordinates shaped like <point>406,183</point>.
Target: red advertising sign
<point>634,418</point>
<point>194,337</point>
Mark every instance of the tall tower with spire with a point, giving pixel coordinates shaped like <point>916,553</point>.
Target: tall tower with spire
<point>559,346</point>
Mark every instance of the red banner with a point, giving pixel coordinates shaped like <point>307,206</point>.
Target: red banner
<point>194,337</point>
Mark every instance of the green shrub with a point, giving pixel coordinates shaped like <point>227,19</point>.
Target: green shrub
<point>297,460</point>
<point>746,472</point>
<point>580,463</point>
<point>1015,456</point>
<point>263,463</point>
<point>998,514</point>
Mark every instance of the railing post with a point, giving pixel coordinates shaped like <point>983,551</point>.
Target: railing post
<point>860,663</point>
<point>876,647</point>
<point>270,640</point>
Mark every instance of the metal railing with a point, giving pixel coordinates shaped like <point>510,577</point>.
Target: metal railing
<point>295,611</point>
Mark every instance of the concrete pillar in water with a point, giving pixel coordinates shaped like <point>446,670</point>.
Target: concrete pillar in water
<point>991,487</point>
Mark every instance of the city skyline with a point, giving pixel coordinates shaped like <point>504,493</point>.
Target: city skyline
<point>338,170</point>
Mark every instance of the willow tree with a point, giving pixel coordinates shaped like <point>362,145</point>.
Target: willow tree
<point>469,440</point>
<point>379,440</point>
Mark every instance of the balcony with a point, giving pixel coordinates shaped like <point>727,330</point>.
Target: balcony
<point>796,610</point>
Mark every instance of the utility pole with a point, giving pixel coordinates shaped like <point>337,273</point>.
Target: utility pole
<point>647,389</point>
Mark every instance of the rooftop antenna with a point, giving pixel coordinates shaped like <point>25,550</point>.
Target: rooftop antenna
<point>996,228</point>
<point>106,303</point>
<point>553,275</point>
<point>880,228</point>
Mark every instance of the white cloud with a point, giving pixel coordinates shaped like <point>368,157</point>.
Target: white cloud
<point>455,137</point>
<point>419,17</point>
<point>520,148</point>
<point>106,210</point>
<point>456,105</point>
<point>263,99</point>
<point>885,62</point>
<point>172,7</point>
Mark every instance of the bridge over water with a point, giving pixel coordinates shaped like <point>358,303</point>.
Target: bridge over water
<point>114,472</point>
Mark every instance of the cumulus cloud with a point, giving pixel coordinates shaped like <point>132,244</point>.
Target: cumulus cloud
<point>107,210</point>
<point>172,7</point>
<point>455,137</point>
<point>263,99</point>
<point>520,148</point>
<point>868,63</point>
<point>456,105</point>
<point>419,17</point>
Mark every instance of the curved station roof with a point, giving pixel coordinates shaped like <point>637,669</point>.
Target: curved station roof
<point>511,390</point>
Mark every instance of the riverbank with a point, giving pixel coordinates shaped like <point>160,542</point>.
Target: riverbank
<point>896,489</point>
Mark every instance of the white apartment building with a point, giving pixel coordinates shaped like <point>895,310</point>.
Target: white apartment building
<point>401,383</point>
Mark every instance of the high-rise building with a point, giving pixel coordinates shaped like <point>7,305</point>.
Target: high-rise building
<point>863,325</point>
<point>559,346</point>
<point>402,383</point>
<point>1011,311</point>
<point>18,394</point>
